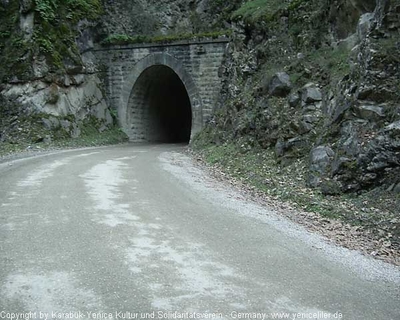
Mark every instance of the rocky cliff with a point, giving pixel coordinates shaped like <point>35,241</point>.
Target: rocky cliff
<point>317,80</point>
<point>48,88</point>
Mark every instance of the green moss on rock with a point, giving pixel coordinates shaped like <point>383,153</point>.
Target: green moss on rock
<point>124,39</point>
<point>54,33</point>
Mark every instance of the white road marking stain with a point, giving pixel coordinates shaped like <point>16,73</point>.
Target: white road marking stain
<point>103,182</point>
<point>36,178</point>
<point>195,277</point>
<point>56,291</point>
<point>30,187</point>
<point>84,155</point>
<point>13,195</point>
<point>9,226</point>
<point>125,158</point>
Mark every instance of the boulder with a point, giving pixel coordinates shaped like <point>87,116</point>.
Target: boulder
<point>349,142</point>
<point>370,112</point>
<point>47,124</point>
<point>294,100</point>
<point>311,93</point>
<point>320,162</point>
<point>320,158</point>
<point>280,85</point>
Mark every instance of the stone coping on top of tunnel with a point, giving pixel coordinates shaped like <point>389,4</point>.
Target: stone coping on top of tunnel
<point>160,44</point>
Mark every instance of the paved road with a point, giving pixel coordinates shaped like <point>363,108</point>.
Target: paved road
<point>126,231</point>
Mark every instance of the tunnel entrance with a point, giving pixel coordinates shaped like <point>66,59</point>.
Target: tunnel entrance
<point>159,107</point>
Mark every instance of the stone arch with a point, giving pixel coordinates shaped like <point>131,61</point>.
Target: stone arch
<point>160,60</point>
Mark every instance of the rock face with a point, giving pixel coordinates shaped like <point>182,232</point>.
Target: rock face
<point>79,97</point>
<point>59,101</point>
<point>42,77</point>
<point>77,102</point>
<point>342,107</point>
<point>366,102</point>
<point>160,16</point>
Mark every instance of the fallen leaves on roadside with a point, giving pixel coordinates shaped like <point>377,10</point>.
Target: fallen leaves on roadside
<point>372,236</point>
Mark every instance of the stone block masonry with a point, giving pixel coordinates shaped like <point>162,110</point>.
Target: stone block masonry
<point>132,82</point>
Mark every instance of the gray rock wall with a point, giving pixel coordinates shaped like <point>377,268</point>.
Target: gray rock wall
<point>342,60</point>
<point>138,17</point>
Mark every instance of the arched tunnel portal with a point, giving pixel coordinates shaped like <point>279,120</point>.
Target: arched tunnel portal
<point>160,100</point>
<point>163,103</point>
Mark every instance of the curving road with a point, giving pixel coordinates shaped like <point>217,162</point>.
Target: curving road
<point>138,231</point>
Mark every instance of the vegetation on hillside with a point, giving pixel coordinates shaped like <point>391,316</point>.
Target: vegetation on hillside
<point>123,39</point>
<point>52,35</point>
<point>264,10</point>
<point>22,131</point>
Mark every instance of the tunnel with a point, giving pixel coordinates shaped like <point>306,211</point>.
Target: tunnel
<point>159,107</point>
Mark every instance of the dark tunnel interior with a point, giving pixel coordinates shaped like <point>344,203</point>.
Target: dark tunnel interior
<point>160,99</point>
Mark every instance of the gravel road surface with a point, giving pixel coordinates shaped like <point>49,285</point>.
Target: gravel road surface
<point>139,231</point>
